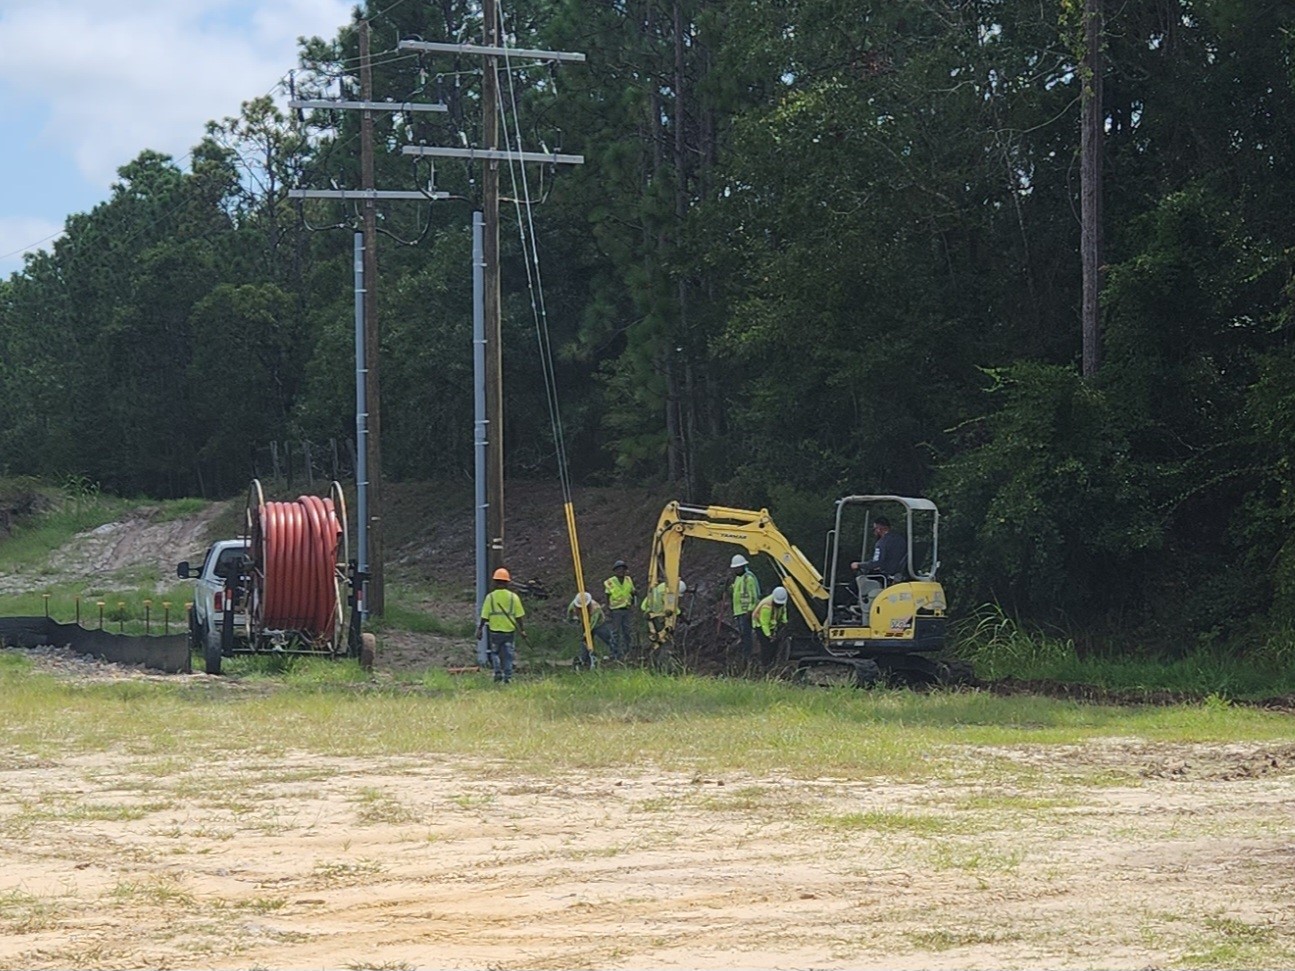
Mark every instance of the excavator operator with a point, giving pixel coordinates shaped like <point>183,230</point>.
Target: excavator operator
<point>888,554</point>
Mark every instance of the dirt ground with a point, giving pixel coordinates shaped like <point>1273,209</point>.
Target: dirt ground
<point>1181,856</point>
<point>307,861</point>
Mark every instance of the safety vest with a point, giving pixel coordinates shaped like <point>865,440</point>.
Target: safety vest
<point>620,592</point>
<point>769,616</point>
<point>654,603</point>
<point>501,610</point>
<point>746,593</point>
<point>595,613</point>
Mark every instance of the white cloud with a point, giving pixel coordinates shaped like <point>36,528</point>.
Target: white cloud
<point>110,80</point>
<point>24,234</point>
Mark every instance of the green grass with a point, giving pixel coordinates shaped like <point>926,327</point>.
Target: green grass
<point>24,913</point>
<point>123,609</point>
<point>1227,942</point>
<point>31,542</point>
<point>1000,647</point>
<point>567,721</point>
<point>403,616</point>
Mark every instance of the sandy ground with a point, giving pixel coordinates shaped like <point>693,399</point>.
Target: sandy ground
<point>308,861</point>
<point>1176,856</point>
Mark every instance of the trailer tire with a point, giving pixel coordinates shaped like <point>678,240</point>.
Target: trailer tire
<point>368,651</point>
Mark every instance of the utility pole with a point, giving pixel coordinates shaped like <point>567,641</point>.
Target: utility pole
<point>494,317</point>
<point>377,601</point>
<point>490,156</point>
<point>1091,136</point>
<point>369,472</point>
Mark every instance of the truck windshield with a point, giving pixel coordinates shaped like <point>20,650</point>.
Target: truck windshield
<point>228,561</point>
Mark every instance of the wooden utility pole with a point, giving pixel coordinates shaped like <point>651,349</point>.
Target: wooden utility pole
<point>376,589</point>
<point>493,315</point>
<point>1092,135</point>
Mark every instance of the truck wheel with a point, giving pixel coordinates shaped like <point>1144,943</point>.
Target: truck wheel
<point>368,651</point>
<point>211,653</point>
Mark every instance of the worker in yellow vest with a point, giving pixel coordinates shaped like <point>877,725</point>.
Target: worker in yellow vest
<point>653,608</point>
<point>597,625</point>
<point>746,594</point>
<point>502,612</point>
<point>619,588</point>
<point>769,618</point>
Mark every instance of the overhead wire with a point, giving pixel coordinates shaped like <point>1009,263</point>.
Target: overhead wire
<point>539,310</point>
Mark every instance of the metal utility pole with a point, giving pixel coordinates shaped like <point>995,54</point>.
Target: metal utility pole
<point>480,435</point>
<point>376,587</point>
<point>1092,133</point>
<point>368,442</point>
<point>490,155</point>
<point>494,318</point>
<point>361,428</point>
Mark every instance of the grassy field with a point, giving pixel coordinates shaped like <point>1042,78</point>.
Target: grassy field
<point>561,720</point>
<point>948,828</point>
<point>347,788</point>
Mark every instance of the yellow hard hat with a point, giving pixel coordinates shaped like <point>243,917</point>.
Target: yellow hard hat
<point>503,574</point>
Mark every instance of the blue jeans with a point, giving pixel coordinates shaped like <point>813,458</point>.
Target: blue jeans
<point>621,631</point>
<point>746,630</point>
<point>603,633</point>
<point>501,654</point>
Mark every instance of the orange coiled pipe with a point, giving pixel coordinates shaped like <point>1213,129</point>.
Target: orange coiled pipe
<point>293,547</point>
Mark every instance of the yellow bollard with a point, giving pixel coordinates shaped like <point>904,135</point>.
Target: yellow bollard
<point>148,606</point>
<point>166,616</point>
<point>100,603</point>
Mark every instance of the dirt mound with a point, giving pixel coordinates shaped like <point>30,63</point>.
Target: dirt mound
<point>141,547</point>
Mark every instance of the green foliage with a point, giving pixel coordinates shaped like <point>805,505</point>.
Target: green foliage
<point>804,235</point>
<point>1000,647</point>
<point>1049,506</point>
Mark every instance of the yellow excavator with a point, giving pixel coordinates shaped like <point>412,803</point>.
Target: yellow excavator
<point>875,624</point>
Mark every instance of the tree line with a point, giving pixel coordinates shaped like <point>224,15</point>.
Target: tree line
<point>818,247</point>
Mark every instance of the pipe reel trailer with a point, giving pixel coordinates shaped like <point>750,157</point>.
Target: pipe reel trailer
<point>295,590</point>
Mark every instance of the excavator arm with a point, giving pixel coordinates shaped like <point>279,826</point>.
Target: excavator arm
<point>750,530</point>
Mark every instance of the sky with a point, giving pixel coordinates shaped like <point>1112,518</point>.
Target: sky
<point>86,85</point>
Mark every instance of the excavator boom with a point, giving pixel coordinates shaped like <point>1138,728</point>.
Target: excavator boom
<point>752,530</point>
<point>891,622</point>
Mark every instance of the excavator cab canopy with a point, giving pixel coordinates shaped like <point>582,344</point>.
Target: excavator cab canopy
<point>852,539</point>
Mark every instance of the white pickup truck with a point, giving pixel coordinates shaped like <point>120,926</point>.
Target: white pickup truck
<point>208,611</point>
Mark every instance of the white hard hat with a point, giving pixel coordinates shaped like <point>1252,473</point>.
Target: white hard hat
<point>780,595</point>
<point>583,599</point>
<point>738,560</point>
<point>683,587</point>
